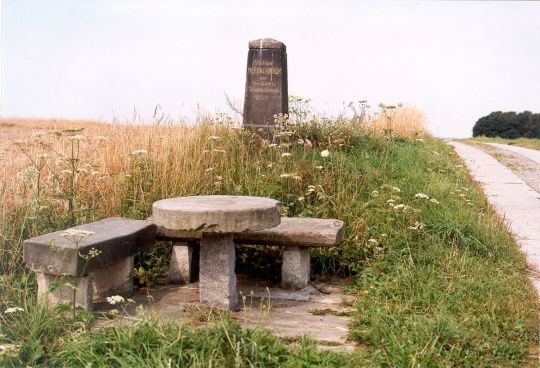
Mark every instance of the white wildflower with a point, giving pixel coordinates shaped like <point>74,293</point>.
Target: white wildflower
<point>400,207</point>
<point>272,145</point>
<point>421,196</point>
<point>286,154</point>
<point>28,174</point>
<point>375,193</point>
<point>325,153</point>
<point>433,200</point>
<point>417,226</point>
<point>396,189</point>
<point>13,310</point>
<point>115,299</point>
<point>77,137</point>
<point>319,167</point>
<point>286,175</point>
<point>391,201</point>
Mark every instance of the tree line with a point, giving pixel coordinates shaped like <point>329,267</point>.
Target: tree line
<point>508,125</point>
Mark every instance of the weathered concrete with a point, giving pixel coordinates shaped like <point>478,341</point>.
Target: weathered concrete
<point>529,153</point>
<point>184,267</point>
<point>295,268</point>
<point>217,279</point>
<point>512,198</point>
<point>63,289</point>
<point>113,238</point>
<point>217,214</point>
<point>115,279</point>
<point>286,313</point>
<point>292,231</point>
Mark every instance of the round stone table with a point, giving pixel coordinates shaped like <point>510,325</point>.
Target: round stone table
<point>217,217</point>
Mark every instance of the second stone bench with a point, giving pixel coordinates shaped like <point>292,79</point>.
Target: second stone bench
<point>297,235</point>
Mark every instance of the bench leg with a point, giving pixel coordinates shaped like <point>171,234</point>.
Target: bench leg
<point>63,289</point>
<point>115,279</point>
<point>184,267</point>
<point>217,280</point>
<point>295,268</point>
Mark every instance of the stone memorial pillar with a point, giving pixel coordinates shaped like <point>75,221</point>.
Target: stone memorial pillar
<point>266,85</point>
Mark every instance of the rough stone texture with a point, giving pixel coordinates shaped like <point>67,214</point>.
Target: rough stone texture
<point>115,279</point>
<point>267,43</point>
<point>292,231</point>
<point>511,197</point>
<point>63,294</point>
<point>217,214</point>
<point>266,85</point>
<point>217,280</point>
<point>115,238</point>
<point>295,268</point>
<point>184,267</point>
<point>286,313</point>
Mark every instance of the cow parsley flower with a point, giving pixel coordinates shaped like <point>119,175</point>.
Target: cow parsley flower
<point>421,196</point>
<point>417,226</point>
<point>325,153</point>
<point>115,299</point>
<point>12,310</point>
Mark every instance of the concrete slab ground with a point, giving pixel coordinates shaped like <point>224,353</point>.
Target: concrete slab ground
<point>529,153</point>
<point>323,316</point>
<point>515,201</point>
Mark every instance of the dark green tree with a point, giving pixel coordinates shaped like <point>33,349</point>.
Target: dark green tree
<point>508,125</point>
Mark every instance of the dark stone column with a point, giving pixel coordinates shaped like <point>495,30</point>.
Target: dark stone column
<point>266,85</point>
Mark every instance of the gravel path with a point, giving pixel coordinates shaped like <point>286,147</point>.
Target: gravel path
<point>515,201</point>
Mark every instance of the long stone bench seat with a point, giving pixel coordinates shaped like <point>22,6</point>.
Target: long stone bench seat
<point>291,232</point>
<point>101,262</point>
<point>297,235</point>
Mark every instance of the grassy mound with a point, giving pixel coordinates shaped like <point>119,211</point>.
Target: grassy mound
<point>438,279</point>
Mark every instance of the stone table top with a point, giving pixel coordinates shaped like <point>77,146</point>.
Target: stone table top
<point>216,213</point>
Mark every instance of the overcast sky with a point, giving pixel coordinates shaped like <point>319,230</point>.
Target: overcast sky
<point>457,61</point>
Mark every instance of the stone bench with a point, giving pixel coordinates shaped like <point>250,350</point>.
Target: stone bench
<point>297,235</point>
<point>101,262</point>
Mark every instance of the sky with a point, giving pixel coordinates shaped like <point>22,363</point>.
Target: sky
<point>105,59</point>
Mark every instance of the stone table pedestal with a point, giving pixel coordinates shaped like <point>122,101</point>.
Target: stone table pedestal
<point>218,218</point>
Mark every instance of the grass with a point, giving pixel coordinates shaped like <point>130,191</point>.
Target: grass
<point>523,142</point>
<point>438,281</point>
